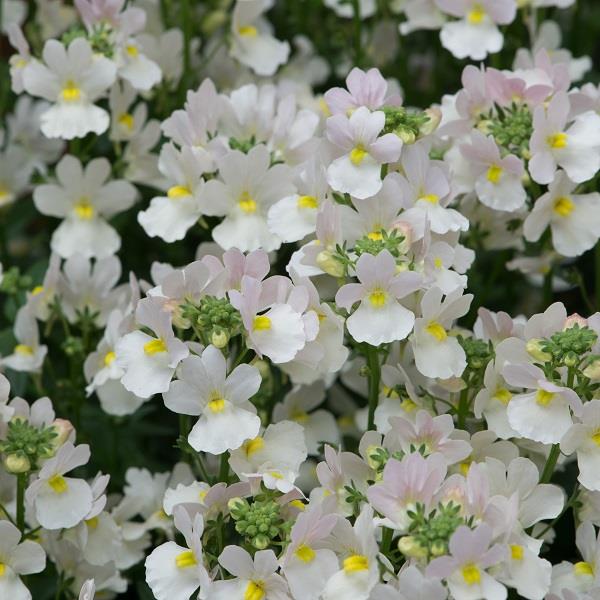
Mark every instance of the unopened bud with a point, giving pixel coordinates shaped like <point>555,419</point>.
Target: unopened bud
<point>213,21</point>
<point>438,548</point>
<point>592,371</point>
<point>263,368</point>
<point>570,359</point>
<point>328,263</point>
<point>574,319</point>
<point>17,463</point>
<point>63,429</point>
<point>435,117</point>
<point>237,505</point>
<point>407,136</point>
<point>406,231</point>
<point>411,548</point>
<point>534,349</point>
<point>219,339</point>
<point>261,541</point>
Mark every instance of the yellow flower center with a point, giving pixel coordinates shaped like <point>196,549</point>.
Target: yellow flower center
<point>516,552</point>
<point>254,445</point>
<point>596,437</point>
<point>255,590</point>
<point>305,553</point>
<point>558,140</point>
<point>84,209</point>
<point>154,347</point>
<point>357,155</point>
<point>563,206</point>
<point>132,50</point>
<point>38,289</point>
<point>299,416</point>
<point>58,484</point>
<point>179,191</point>
<point>476,15</point>
<point>436,330</point>
<point>503,395</point>
<point>583,568</point>
<point>70,92</point>
<point>261,323</point>
<point>23,350</point>
<point>247,203</point>
<point>298,504</point>
<point>248,31</point>
<point>494,174</point>
<point>92,523</point>
<point>378,298</point>
<point>376,235</point>
<point>2,569</point>
<point>471,574</point>
<point>437,263</point>
<point>465,466</point>
<point>185,559</point>
<point>356,562</point>
<point>216,403</point>
<point>109,358</point>
<point>407,405</point>
<point>307,202</point>
<point>431,198</point>
<point>544,398</point>
<point>126,120</point>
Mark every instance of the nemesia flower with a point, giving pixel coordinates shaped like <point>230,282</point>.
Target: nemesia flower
<point>17,558</point>
<point>28,355</point>
<point>380,318</point>
<point>357,171</point>
<point>60,501</point>
<point>227,418</point>
<point>72,79</point>
<point>84,199</point>
<point>411,585</point>
<point>366,8</point>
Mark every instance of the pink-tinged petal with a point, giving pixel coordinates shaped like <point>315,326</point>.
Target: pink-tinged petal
<point>523,376</point>
<point>456,8</point>
<point>339,101</point>
<point>542,167</point>
<point>349,294</point>
<point>406,283</point>
<point>441,567</point>
<point>366,125</point>
<point>502,12</point>
<point>387,148</point>
<point>338,132</point>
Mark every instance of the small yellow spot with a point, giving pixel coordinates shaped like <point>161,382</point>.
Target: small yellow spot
<point>155,346</point>
<point>127,121</point>
<point>38,289</point>
<point>476,15</point>
<point>544,398</point>
<point>583,568</point>
<point>298,504</point>
<point>465,466</point>
<point>494,174</point>
<point>305,553</point>
<point>436,330</point>
<point>2,569</point>
<point>307,202</point>
<point>431,198</point>
<point>437,263</point>
<point>376,236</point>
<point>248,31</point>
<point>323,106</point>
<point>358,155</point>
<point>92,523</point>
<point>261,323</point>
<point>557,141</point>
<point>247,203</point>
<point>390,392</point>
<point>563,206</point>
<point>356,562</point>
<point>179,191</point>
<point>216,402</point>
<point>471,574</point>
<point>132,50</point>
<point>275,474</point>
<point>255,590</point>
<point>70,92</point>
<point>23,350</point>
<point>84,209</point>
<point>185,559</point>
<point>378,298</point>
<point>407,405</point>
<point>516,552</point>
<point>58,484</point>
<point>299,416</point>
<point>3,193</point>
<point>596,437</point>
<point>202,495</point>
<point>109,358</point>
<point>503,395</point>
<point>254,445</point>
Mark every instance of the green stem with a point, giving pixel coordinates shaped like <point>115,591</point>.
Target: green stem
<point>21,482</point>
<point>186,24</point>
<point>547,289</point>
<point>550,464</point>
<point>463,408</point>
<point>358,54</point>
<point>5,513</point>
<point>224,467</point>
<point>374,379</point>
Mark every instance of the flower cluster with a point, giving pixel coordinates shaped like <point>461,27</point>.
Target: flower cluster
<point>257,301</point>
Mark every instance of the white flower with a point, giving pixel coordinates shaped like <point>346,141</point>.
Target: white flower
<point>366,8</point>
<point>60,501</point>
<point>17,559</point>
<point>88,590</point>
<point>27,355</point>
<point>136,68</point>
<point>169,217</point>
<point>438,354</point>
<point>150,362</point>
<point>84,198</point>
<point>72,79</point>
<point>175,572</point>
<point>255,578</point>
<point>379,318</point>
<point>247,188</point>
<point>227,418</point>
<point>574,219</point>
<point>252,43</point>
